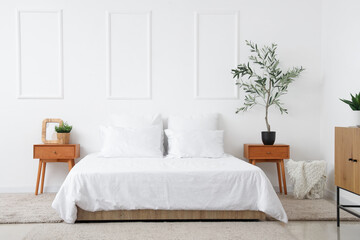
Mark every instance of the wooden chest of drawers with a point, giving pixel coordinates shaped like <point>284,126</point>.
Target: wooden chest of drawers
<point>347,165</point>
<point>347,158</point>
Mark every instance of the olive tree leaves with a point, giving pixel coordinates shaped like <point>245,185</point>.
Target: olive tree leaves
<point>266,88</point>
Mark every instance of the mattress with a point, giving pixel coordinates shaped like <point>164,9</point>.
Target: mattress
<point>104,184</point>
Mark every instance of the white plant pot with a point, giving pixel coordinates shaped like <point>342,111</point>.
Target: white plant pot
<point>355,120</point>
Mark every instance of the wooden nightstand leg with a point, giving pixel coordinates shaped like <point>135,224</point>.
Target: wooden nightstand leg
<point>253,162</point>
<point>279,175</point>
<point>70,163</point>
<point>43,177</point>
<point>38,177</point>
<point>283,175</point>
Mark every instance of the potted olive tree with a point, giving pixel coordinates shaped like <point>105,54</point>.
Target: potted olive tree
<point>63,133</point>
<point>264,88</point>
<point>354,104</point>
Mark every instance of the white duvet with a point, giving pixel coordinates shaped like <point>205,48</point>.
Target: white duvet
<point>227,183</point>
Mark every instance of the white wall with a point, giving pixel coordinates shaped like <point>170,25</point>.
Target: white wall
<point>341,63</point>
<point>161,76</point>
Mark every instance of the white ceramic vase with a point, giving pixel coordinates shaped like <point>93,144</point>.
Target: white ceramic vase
<point>357,118</point>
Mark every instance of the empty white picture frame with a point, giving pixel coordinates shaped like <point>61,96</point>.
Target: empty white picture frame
<point>48,133</point>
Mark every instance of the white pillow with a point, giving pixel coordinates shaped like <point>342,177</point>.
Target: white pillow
<point>196,143</point>
<point>195,122</point>
<point>138,121</point>
<point>131,142</point>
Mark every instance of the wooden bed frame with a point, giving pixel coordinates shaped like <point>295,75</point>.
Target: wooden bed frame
<point>136,215</point>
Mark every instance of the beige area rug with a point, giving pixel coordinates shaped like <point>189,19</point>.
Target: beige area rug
<point>312,210</point>
<point>162,231</point>
<point>28,208</point>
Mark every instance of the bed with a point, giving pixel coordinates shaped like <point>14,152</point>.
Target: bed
<point>166,189</point>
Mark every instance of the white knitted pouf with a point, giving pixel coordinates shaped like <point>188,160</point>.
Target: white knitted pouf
<point>308,177</point>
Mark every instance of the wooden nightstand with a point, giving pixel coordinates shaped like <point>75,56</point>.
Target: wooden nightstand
<point>54,153</point>
<point>269,153</point>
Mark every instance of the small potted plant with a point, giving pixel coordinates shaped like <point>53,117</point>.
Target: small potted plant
<point>354,104</point>
<point>267,87</point>
<point>63,133</point>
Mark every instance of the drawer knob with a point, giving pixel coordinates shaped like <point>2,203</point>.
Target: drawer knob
<point>54,152</point>
<point>268,152</point>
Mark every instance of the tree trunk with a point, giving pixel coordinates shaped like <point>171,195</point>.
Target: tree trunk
<point>266,119</point>
<point>267,107</point>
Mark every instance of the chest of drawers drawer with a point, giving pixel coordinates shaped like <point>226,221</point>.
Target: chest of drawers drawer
<point>267,152</point>
<point>68,151</point>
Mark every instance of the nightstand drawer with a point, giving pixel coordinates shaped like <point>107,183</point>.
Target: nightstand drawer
<point>55,152</point>
<point>268,152</point>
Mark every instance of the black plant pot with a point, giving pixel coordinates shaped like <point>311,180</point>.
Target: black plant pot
<point>268,138</point>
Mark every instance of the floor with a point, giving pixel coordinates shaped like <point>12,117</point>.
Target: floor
<point>297,230</point>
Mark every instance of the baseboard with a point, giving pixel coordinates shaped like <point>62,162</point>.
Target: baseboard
<point>288,188</point>
<point>331,195</point>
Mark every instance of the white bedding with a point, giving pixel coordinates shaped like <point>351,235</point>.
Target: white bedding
<point>227,183</point>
